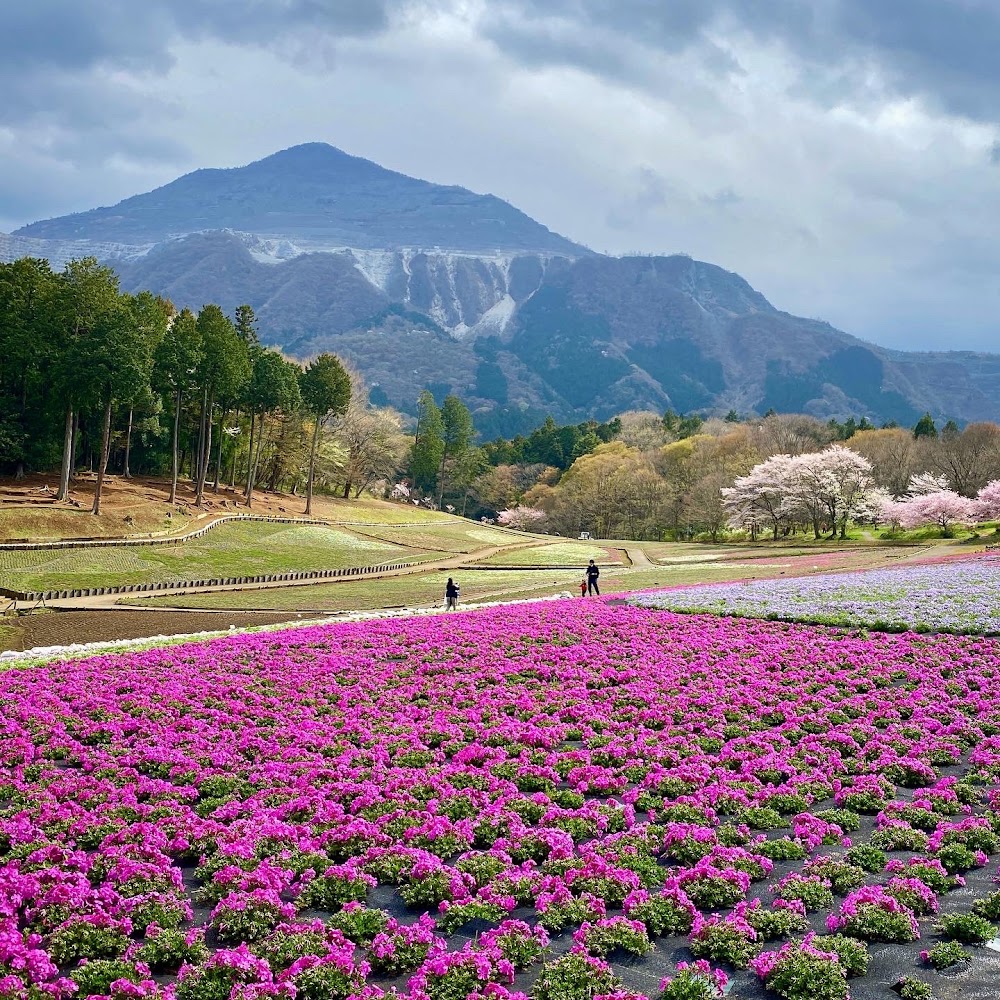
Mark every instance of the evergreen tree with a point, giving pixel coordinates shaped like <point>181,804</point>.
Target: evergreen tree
<point>428,445</point>
<point>177,359</point>
<point>326,391</point>
<point>457,432</point>
<point>924,427</point>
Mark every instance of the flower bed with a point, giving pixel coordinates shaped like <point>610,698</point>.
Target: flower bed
<point>539,798</point>
<point>961,597</point>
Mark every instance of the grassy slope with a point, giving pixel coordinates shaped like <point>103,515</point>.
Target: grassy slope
<point>246,549</point>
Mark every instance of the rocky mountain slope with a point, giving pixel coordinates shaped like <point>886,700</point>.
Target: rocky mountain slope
<point>421,285</point>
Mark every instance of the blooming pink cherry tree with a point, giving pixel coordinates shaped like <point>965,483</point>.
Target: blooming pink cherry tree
<point>987,503</point>
<point>944,508</point>
<point>520,518</point>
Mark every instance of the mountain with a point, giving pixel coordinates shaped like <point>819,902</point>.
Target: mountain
<point>319,197</point>
<point>421,285</point>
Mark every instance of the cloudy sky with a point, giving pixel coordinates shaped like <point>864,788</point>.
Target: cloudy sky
<point>842,155</point>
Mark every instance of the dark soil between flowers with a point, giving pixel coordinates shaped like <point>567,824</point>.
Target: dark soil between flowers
<point>64,628</point>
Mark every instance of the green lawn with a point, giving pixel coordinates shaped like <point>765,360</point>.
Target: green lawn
<point>247,549</point>
<point>557,554</point>
<point>452,536</point>
<point>427,589</point>
<point>418,590</point>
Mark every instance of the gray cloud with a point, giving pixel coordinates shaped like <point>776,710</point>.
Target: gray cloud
<point>840,154</point>
<point>943,52</point>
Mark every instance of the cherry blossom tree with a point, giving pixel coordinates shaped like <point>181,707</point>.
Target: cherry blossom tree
<point>926,482</point>
<point>942,507</point>
<point>760,498</point>
<point>987,503</point>
<point>831,486</point>
<point>520,518</point>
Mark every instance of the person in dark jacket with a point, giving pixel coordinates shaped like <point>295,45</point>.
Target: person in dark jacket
<point>593,572</point>
<point>451,595</point>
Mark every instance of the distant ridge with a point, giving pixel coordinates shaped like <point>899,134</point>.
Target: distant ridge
<point>316,194</point>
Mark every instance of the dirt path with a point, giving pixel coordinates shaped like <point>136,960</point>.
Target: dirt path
<point>638,558</point>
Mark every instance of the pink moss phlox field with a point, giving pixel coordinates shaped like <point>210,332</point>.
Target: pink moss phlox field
<point>573,768</point>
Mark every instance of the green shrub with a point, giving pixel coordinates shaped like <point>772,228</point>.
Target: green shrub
<point>814,893</point>
<point>911,988</point>
<point>771,924</point>
<point>988,906</point>
<point>847,819</point>
<point>461,913</point>
<point>662,916</point>
<point>966,927</point>
<point>872,922</point>
<point>169,950</point>
<point>899,838</point>
<point>331,892</point>
<point>723,942</point>
<point>713,892</point>
<point>957,858</point>
<point>842,875</point>
<point>871,859</point>
<point>852,954</point>
<point>617,934</point>
<point>287,945</point>
<point>326,982</point>
<point>762,818</point>
<point>575,911</point>
<point>780,850</point>
<point>692,984</point>
<point>800,975</point>
<point>95,978</point>
<point>80,939</point>
<point>573,977</point>
<point>945,954</point>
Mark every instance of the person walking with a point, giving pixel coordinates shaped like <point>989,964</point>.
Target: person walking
<point>583,587</point>
<point>451,595</point>
<point>593,572</point>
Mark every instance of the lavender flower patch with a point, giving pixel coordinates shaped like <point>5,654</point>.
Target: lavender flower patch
<point>961,597</point>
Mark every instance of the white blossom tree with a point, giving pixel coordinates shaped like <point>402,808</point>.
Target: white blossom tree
<point>926,482</point>
<point>832,486</point>
<point>760,498</point>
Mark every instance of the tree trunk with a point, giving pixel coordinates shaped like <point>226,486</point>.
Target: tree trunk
<point>67,455</point>
<point>74,445</point>
<point>218,453</point>
<point>208,405</point>
<point>102,463</point>
<point>248,494</point>
<point>312,468</point>
<point>236,449</point>
<point>174,465</point>
<point>126,472</point>
<point>199,455</point>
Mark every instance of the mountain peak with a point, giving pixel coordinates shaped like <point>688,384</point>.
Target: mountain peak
<point>319,196</point>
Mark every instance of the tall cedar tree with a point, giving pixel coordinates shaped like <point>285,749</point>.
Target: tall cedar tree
<point>325,387</point>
